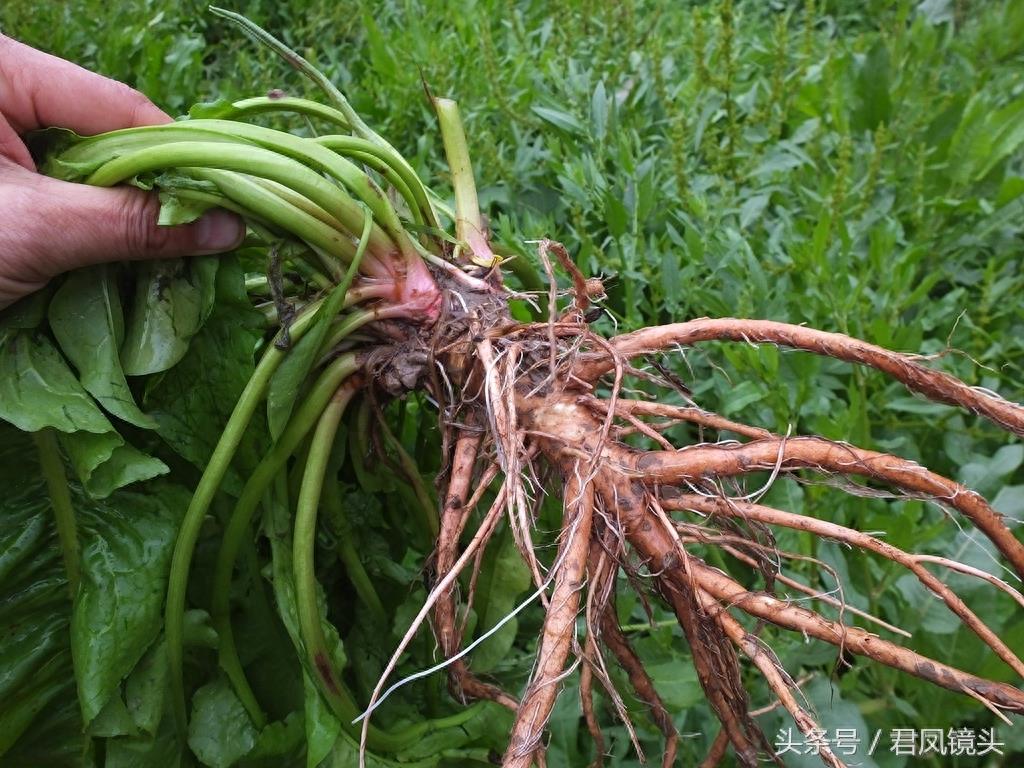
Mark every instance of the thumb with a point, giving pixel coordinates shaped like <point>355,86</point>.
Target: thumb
<point>48,227</point>
<point>97,225</point>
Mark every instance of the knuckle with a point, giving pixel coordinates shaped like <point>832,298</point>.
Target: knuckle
<point>139,216</point>
<point>135,105</point>
<point>141,107</point>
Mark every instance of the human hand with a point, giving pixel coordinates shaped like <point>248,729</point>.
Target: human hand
<point>47,226</point>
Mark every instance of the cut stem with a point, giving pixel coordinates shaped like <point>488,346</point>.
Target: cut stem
<point>469,224</point>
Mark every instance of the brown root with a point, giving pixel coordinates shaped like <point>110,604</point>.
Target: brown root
<point>705,461</point>
<point>570,566</point>
<point>824,529</point>
<point>634,408</point>
<point>454,514</point>
<point>936,385</point>
<point>587,705</point>
<point>768,663</point>
<point>626,481</point>
<point>714,659</point>
<point>855,640</point>
<point>541,390</point>
<point>814,593</point>
<point>615,640</point>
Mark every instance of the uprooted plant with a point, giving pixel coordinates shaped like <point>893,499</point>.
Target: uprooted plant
<point>373,299</point>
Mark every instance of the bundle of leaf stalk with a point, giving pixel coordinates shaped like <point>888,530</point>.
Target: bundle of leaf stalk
<point>372,298</point>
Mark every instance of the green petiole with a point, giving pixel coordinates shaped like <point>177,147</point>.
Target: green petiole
<point>261,36</point>
<point>356,123</point>
<point>399,175</point>
<point>259,481</point>
<point>315,155</point>
<point>307,604</point>
<point>209,483</point>
<point>60,498</point>
<point>259,105</point>
<point>304,544</point>
<point>241,520</point>
<point>250,160</point>
<point>250,195</point>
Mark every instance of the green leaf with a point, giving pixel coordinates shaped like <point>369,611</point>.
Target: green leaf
<point>677,683</point>
<point>126,550</point>
<point>382,53</point>
<point>220,732</point>
<point>985,137</point>
<point>213,110</point>
<point>105,462</point>
<point>38,390</point>
<point>873,87</point>
<point>175,209</point>
<point>113,720</point>
<point>146,688</point>
<point>937,11</point>
<point>485,718</point>
<point>599,106</point>
<point>173,297</point>
<point>25,314</point>
<point>1010,501</point>
<point>1007,134</point>
<point>86,318</point>
<point>503,578</point>
<point>560,119</point>
<point>926,611</point>
<point>752,209</point>
<point>279,743</point>
<point>741,396</point>
<point>161,751</point>
<point>287,382</point>
<point>51,143</point>
<point>345,753</point>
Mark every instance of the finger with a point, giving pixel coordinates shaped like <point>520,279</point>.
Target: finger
<point>38,90</point>
<point>76,225</point>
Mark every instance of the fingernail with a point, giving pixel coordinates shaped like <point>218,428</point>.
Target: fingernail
<point>219,230</point>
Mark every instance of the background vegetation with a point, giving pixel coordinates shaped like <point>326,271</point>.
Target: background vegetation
<point>855,166</point>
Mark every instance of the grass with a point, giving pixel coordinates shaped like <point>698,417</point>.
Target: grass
<point>852,166</point>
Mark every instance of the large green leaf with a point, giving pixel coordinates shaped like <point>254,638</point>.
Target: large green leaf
<point>39,390</point>
<point>126,549</point>
<point>86,317</point>
<point>36,679</point>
